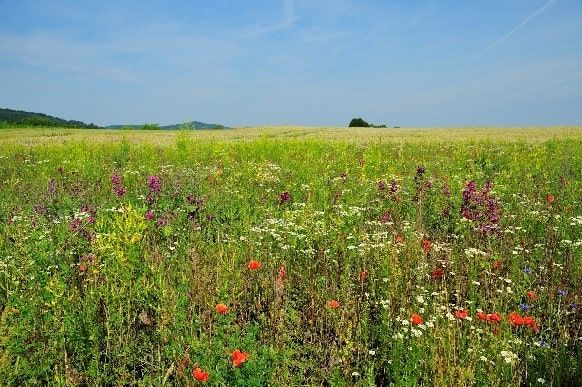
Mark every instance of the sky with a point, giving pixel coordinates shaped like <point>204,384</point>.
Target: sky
<point>295,62</point>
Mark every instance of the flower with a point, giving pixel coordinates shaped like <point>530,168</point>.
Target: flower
<point>437,273</point>
<point>149,215</point>
<point>416,319</point>
<point>532,295</point>
<point>550,199</point>
<point>284,197</point>
<point>199,374</point>
<point>524,307</point>
<point>239,357</point>
<point>497,265</point>
<point>154,184</point>
<point>426,245</point>
<point>282,272</point>
<point>399,238</point>
<point>334,304</point>
<point>562,292</point>
<point>489,317</point>
<point>254,265</point>
<point>363,276</point>
<point>221,308</point>
<point>531,322</point>
<point>515,319</point>
<point>461,314</point>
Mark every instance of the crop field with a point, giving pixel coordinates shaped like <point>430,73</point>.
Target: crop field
<point>291,256</point>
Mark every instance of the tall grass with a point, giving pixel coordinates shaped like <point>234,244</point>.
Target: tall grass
<point>115,281</point>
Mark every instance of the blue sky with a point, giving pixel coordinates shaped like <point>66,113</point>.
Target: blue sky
<point>320,62</point>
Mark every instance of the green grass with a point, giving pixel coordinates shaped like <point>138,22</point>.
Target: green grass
<point>92,292</point>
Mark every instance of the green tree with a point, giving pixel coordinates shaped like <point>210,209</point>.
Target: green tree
<point>358,123</point>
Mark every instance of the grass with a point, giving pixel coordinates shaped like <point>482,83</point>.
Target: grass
<point>116,247</point>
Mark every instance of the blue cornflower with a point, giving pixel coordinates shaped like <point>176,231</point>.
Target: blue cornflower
<point>524,307</point>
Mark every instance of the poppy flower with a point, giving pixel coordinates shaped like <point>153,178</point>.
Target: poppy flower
<point>254,265</point>
<point>282,272</point>
<point>416,319</point>
<point>515,319</point>
<point>461,314</point>
<point>221,308</point>
<point>550,199</point>
<point>239,357</point>
<point>334,304</point>
<point>363,276</point>
<point>532,295</point>
<point>437,273</point>
<point>199,374</point>
<point>426,245</point>
<point>83,267</point>
<point>497,265</point>
<point>530,322</point>
<point>489,317</point>
<point>399,238</point>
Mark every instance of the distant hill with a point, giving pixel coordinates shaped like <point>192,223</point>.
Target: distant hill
<point>186,125</point>
<point>9,117</point>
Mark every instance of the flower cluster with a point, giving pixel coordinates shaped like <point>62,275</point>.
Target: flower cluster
<point>478,206</point>
<point>118,186</point>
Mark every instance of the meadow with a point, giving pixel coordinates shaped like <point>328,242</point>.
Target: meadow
<point>291,256</point>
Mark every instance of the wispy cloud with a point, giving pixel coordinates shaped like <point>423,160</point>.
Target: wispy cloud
<point>520,25</point>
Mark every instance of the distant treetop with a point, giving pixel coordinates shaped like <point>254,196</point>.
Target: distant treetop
<point>358,123</point>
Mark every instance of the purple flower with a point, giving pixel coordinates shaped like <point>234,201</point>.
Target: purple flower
<point>149,215</point>
<point>162,222</point>
<point>284,197</point>
<point>420,170</point>
<point>526,270</point>
<point>524,307</point>
<point>155,184</point>
<point>116,180</point>
<point>75,225</point>
<point>381,186</point>
<point>117,186</point>
<point>562,292</point>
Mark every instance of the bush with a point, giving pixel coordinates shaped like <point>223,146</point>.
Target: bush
<point>150,127</point>
<point>358,123</point>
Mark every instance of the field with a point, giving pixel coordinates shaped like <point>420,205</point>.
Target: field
<point>291,256</point>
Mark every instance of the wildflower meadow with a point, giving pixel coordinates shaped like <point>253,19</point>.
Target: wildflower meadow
<point>284,259</point>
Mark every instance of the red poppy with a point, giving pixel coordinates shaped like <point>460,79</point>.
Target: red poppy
<point>334,304</point>
<point>254,265</point>
<point>437,273</point>
<point>426,245</point>
<point>83,267</point>
<point>282,272</point>
<point>515,319</point>
<point>530,322</point>
<point>239,357</point>
<point>399,238</point>
<point>461,314</point>
<point>532,295</point>
<point>199,374</point>
<point>550,199</point>
<point>221,308</point>
<point>363,276</point>
<point>497,265</point>
<point>416,319</point>
<point>489,317</point>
